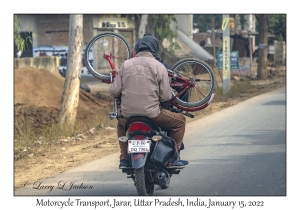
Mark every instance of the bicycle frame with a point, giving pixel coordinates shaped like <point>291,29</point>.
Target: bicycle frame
<point>113,73</point>
<point>180,82</point>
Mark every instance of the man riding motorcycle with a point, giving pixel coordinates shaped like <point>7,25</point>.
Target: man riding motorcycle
<point>143,83</point>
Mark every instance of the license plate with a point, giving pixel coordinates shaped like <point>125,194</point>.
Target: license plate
<point>139,146</point>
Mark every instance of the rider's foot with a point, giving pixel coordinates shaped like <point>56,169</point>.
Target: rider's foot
<point>179,163</point>
<point>124,164</point>
<point>185,162</point>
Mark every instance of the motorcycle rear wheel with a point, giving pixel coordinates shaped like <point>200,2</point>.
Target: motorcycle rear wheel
<point>142,184</point>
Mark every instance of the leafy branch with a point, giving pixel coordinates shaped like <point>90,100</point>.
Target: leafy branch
<point>163,30</point>
<point>19,41</point>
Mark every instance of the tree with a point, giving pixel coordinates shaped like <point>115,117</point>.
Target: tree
<point>143,24</point>
<point>277,26</point>
<point>204,21</point>
<point>162,30</point>
<point>263,46</point>
<point>70,96</point>
<point>20,42</point>
<point>159,26</point>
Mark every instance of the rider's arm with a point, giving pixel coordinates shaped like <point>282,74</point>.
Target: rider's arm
<point>164,87</point>
<point>116,86</point>
<point>166,65</point>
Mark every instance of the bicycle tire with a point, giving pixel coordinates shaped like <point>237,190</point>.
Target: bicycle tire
<point>105,43</point>
<point>203,76</point>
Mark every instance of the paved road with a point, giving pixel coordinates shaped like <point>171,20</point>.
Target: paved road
<point>238,151</point>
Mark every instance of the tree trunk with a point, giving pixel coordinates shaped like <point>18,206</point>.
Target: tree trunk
<point>70,95</point>
<point>150,28</point>
<point>142,27</point>
<point>263,51</point>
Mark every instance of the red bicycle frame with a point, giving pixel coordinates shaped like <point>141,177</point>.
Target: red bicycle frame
<point>112,65</point>
<point>179,82</point>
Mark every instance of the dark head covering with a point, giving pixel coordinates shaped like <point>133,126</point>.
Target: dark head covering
<point>136,46</point>
<point>149,42</point>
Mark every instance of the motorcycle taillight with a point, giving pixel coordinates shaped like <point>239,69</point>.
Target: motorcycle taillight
<point>139,126</point>
<point>139,137</point>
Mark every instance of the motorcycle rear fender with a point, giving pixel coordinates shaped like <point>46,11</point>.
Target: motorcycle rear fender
<point>138,160</point>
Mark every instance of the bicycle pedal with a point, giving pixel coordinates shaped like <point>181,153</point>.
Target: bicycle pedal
<point>189,115</point>
<point>176,110</point>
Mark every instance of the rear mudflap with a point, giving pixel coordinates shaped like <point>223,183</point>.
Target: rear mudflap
<point>138,160</point>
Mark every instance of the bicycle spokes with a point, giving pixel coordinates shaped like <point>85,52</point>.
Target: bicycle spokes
<point>200,79</point>
<point>104,46</point>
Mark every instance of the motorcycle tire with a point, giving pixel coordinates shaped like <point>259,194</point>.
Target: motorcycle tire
<point>142,184</point>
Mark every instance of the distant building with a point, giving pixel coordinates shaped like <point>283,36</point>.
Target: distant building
<point>52,32</point>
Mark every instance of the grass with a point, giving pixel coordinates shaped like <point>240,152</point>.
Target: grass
<point>237,87</point>
<point>26,136</point>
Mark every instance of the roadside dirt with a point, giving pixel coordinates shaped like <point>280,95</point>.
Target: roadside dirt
<point>37,96</point>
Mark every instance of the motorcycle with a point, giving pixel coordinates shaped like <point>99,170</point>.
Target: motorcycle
<point>151,153</point>
<point>151,150</point>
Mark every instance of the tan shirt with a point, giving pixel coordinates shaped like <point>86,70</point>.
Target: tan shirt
<point>143,83</point>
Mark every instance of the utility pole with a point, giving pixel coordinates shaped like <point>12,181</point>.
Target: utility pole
<point>250,49</point>
<point>226,55</point>
<point>214,40</point>
<point>70,95</point>
<point>263,46</point>
<point>249,29</point>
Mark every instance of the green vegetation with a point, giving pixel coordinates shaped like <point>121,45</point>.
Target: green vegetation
<point>204,21</point>
<point>277,26</point>
<point>160,27</point>
<point>19,41</point>
<point>276,23</point>
<point>163,30</point>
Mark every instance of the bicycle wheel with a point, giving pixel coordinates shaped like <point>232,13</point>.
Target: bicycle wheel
<point>105,44</point>
<point>202,77</point>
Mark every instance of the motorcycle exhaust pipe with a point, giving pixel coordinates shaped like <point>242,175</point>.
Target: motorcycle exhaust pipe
<point>160,176</point>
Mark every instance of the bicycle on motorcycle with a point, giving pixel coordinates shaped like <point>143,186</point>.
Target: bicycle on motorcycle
<point>151,151</point>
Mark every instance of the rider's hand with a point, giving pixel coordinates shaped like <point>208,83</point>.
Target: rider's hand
<point>166,105</point>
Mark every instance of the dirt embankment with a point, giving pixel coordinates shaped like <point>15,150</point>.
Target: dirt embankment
<point>37,98</point>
